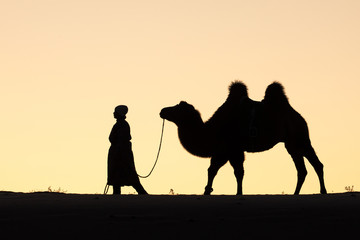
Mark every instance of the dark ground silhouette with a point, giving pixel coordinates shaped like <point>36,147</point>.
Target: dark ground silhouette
<point>242,124</point>
<point>75,216</point>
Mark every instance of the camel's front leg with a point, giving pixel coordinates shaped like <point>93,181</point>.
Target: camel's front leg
<point>238,164</point>
<point>215,164</point>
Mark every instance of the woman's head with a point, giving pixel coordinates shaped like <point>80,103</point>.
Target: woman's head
<point>120,111</point>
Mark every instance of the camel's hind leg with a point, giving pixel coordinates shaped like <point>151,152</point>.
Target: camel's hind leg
<point>298,152</point>
<point>318,166</point>
<point>215,164</point>
<point>301,171</point>
<point>298,159</point>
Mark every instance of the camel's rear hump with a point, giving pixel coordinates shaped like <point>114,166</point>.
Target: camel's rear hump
<point>275,95</point>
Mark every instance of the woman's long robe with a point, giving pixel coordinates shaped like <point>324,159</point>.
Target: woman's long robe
<point>121,166</point>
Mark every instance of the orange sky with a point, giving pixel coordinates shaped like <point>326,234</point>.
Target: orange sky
<point>66,64</point>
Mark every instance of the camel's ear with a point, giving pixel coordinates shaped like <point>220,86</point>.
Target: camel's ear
<point>187,106</point>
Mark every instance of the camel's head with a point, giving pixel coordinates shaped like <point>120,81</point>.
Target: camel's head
<point>180,114</point>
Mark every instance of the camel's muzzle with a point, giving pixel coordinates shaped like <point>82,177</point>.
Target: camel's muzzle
<point>162,113</point>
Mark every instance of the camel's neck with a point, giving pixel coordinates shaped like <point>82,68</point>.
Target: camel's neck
<point>194,137</point>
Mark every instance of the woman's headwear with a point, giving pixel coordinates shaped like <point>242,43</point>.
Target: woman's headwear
<point>121,110</point>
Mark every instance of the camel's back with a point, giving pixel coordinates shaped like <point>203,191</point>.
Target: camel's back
<point>255,126</point>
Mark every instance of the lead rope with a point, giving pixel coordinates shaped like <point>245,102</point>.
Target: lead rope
<point>157,158</point>
<point>106,189</point>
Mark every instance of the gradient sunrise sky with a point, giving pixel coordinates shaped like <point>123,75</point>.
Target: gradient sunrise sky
<point>65,65</point>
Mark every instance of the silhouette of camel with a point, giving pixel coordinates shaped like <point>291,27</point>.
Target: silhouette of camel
<point>242,124</point>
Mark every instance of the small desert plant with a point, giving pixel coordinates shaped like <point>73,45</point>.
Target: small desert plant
<point>349,189</point>
<point>59,190</point>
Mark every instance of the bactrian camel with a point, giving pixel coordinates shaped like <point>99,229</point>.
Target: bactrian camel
<point>242,124</point>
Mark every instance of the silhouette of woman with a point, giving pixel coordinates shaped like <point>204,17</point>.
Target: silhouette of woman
<point>121,166</point>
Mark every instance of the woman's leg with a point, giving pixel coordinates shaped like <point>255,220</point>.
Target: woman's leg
<point>116,190</point>
<point>139,188</point>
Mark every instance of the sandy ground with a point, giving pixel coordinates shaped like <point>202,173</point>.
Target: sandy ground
<point>78,216</point>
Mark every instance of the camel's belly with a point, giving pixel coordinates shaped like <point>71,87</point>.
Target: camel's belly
<point>257,144</point>
<point>254,148</point>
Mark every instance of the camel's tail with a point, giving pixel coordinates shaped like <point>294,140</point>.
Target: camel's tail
<point>275,94</point>
<point>237,90</point>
